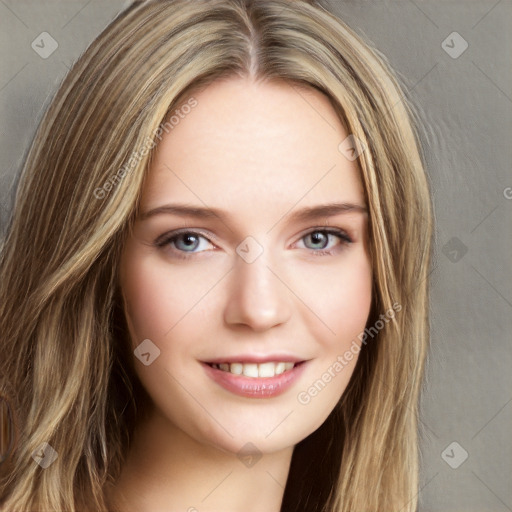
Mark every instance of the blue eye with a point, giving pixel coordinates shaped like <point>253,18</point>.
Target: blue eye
<point>185,243</point>
<point>322,235</point>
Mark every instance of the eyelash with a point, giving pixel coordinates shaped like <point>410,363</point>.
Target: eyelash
<point>168,238</point>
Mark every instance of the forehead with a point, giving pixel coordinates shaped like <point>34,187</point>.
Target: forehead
<point>256,148</point>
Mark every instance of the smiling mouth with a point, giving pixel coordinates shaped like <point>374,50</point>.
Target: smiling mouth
<point>261,370</point>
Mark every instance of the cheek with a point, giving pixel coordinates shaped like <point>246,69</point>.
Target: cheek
<point>339,299</point>
<point>344,309</point>
<point>350,303</point>
<point>159,296</point>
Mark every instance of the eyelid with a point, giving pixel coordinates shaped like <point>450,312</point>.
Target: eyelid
<point>166,237</point>
<point>328,229</point>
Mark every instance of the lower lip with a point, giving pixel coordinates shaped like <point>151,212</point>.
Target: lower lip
<point>255,387</point>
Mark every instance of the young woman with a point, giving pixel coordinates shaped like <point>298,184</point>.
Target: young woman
<point>214,283</point>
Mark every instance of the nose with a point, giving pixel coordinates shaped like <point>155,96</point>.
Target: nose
<point>258,297</point>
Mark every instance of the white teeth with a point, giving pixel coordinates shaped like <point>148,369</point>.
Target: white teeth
<point>250,370</point>
<point>236,368</point>
<point>267,370</point>
<point>280,368</point>
<point>254,370</point>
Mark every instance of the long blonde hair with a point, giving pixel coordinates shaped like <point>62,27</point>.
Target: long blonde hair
<point>65,370</point>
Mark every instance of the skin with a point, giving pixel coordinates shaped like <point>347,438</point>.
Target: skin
<point>260,151</point>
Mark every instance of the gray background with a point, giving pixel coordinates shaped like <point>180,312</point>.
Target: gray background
<point>466,103</point>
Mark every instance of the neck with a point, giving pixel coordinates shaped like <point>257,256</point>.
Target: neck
<point>168,470</point>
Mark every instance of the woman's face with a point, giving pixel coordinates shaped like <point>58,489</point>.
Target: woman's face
<point>231,270</point>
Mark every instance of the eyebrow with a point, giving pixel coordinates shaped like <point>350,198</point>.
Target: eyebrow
<point>304,214</point>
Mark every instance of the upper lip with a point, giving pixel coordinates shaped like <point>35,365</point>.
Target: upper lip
<point>256,359</point>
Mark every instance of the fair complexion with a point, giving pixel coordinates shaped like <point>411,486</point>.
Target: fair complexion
<point>298,291</point>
